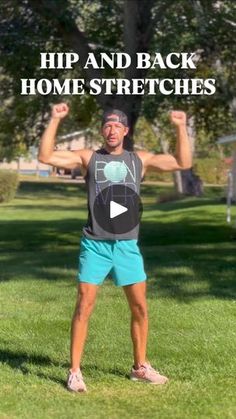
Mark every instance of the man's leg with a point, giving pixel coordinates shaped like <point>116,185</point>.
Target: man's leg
<point>136,296</point>
<point>142,370</point>
<point>84,306</point>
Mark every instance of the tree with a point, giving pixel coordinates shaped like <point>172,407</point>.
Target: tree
<point>82,26</point>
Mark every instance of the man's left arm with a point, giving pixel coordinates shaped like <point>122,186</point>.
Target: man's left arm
<point>167,162</point>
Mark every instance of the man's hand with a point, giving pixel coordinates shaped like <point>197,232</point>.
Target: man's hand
<point>178,118</point>
<point>60,110</point>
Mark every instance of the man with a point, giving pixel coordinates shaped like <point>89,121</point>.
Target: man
<point>107,250</point>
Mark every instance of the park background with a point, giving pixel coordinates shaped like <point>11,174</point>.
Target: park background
<point>188,247</point>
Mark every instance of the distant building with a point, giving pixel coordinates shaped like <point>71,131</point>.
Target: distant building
<point>27,166</point>
<point>74,141</point>
<point>77,140</point>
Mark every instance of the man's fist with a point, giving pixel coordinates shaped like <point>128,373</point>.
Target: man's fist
<point>178,118</point>
<point>60,110</point>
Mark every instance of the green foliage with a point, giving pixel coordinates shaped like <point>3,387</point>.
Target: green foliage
<point>13,150</point>
<point>212,170</point>
<point>144,136</point>
<point>29,27</point>
<point>9,182</point>
<point>159,177</point>
<point>208,28</point>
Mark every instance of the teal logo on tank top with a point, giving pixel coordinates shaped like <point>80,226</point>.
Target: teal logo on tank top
<point>115,171</point>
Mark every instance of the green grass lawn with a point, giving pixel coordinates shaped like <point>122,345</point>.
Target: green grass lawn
<point>190,258</point>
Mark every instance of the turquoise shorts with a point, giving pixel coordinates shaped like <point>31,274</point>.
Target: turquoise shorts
<point>120,258</point>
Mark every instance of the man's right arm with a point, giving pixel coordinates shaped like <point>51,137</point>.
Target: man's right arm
<point>47,154</point>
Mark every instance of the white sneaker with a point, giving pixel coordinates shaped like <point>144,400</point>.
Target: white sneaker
<point>147,374</point>
<point>75,381</point>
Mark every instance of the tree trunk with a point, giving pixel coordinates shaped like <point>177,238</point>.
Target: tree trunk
<point>18,165</point>
<point>178,181</point>
<point>191,183</point>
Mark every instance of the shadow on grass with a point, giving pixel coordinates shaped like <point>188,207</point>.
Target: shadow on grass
<point>49,189</point>
<point>22,361</point>
<point>80,206</point>
<point>29,235</point>
<point>182,204</point>
<point>35,235</point>
<point>187,231</point>
<point>186,288</point>
<point>58,265</point>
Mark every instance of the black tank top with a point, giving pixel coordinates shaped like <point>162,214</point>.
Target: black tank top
<point>105,170</point>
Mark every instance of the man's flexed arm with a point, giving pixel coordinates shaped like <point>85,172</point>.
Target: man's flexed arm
<point>183,156</point>
<point>64,159</point>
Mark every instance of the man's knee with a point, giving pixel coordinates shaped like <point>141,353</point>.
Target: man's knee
<point>84,309</point>
<point>139,310</point>
<point>84,305</point>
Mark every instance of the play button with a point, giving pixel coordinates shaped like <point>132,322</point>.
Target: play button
<point>116,209</point>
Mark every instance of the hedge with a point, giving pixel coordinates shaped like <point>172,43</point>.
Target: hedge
<point>211,170</point>
<point>9,182</point>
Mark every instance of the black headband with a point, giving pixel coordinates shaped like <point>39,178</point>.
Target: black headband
<point>120,117</point>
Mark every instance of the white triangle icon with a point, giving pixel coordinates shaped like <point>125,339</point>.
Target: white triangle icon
<point>116,209</point>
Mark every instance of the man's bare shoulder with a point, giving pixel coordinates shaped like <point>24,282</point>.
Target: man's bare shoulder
<point>144,155</point>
